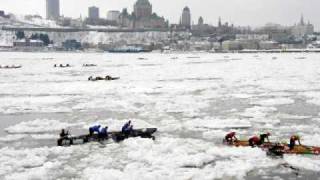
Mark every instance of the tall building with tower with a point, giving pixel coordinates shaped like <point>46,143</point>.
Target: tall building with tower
<point>53,9</point>
<point>93,12</point>
<point>113,15</point>
<point>142,8</point>
<point>142,17</point>
<point>302,28</point>
<point>186,18</point>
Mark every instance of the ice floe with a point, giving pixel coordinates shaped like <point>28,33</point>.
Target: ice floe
<point>37,126</point>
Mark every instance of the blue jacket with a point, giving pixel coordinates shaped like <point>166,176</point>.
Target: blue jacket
<point>103,131</point>
<point>125,127</point>
<point>95,128</point>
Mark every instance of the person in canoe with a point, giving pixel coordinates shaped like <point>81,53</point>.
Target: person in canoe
<point>231,137</point>
<point>127,128</point>
<point>257,141</point>
<point>293,140</point>
<point>264,137</point>
<point>64,134</point>
<point>108,77</point>
<point>103,132</point>
<point>254,141</point>
<point>94,129</point>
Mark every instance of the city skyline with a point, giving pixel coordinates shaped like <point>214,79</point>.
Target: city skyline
<point>249,13</point>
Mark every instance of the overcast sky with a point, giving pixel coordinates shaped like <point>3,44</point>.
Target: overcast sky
<point>239,12</point>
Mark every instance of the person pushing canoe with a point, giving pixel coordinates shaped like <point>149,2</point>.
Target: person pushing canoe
<point>64,134</point>
<point>293,140</point>
<point>264,137</point>
<point>102,131</point>
<point>231,137</point>
<point>127,128</point>
<point>257,141</point>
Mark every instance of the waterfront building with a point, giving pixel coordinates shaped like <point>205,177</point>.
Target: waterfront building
<point>186,18</point>
<point>142,17</point>
<point>113,15</point>
<point>200,21</point>
<point>53,9</point>
<point>268,45</point>
<point>28,43</point>
<point>71,44</point>
<point>93,12</point>
<point>302,29</point>
<point>142,9</point>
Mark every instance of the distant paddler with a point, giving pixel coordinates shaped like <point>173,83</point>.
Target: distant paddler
<point>257,141</point>
<point>293,140</point>
<point>101,131</point>
<point>127,128</point>
<point>64,134</point>
<point>231,137</point>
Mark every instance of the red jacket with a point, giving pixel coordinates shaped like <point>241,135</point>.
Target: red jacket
<point>255,139</point>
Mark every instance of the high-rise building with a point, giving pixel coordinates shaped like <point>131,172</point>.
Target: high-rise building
<point>113,15</point>
<point>142,17</point>
<point>301,29</point>
<point>186,18</point>
<point>93,12</point>
<point>53,9</point>
<point>200,21</point>
<point>142,8</point>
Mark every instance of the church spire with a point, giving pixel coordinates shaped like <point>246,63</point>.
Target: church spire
<point>302,20</point>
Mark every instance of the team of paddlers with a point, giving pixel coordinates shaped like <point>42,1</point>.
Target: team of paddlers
<point>106,78</point>
<point>101,131</point>
<point>98,133</point>
<point>10,66</point>
<point>253,141</point>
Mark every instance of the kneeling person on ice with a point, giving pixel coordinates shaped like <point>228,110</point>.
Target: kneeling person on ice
<point>254,141</point>
<point>103,132</point>
<point>264,137</point>
<point>93,129</point>
<point>127,128</point>
<point>293,140</point>
<point>231,137</point>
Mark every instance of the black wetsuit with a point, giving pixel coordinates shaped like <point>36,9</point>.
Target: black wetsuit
<point>263,137</point>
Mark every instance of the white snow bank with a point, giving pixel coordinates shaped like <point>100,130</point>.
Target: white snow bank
<point>31,163</point>
<point>304,162</point>
<point>12,137</point>
<point>189,158</point>
<point>37,126</point>
<point>20,104</point>
<point>273,101</point>
<point>208,123</point>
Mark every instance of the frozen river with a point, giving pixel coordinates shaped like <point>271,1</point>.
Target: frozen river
<point>193,100</point>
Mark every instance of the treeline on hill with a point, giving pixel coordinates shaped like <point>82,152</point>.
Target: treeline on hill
<point>35,36</point>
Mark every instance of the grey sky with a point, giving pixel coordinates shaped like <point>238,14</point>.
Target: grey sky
<point>239,12</point>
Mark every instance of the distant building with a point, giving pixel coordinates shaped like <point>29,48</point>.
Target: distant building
<point>200,21</point>
<point>93,12</point>
<point>71,44</point>
<point>260,37</point>
<point>301,29</point>
<point>142,8</point>
<point>268,45</point>
<point>28,43</point>
<point>186,18</point>
<point>202,29</point>
<point>113,15</point>
<point>142,17</point>
<point>53,9</point>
